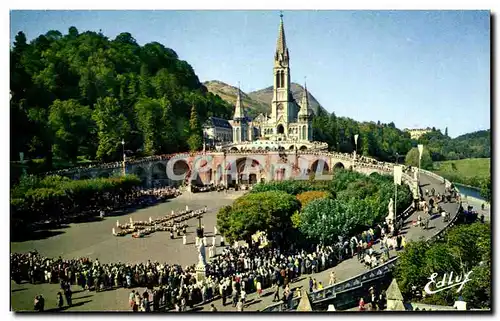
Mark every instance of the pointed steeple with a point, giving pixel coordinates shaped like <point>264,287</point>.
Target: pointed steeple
<point>304,105</point>
<point>238,109</point>
<point>281,49</point>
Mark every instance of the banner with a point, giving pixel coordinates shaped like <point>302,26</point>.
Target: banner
<point>356,138</point>
<point>420,151</point>
<point>398,173</point>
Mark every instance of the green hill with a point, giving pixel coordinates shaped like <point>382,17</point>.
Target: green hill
<point>465,171</point>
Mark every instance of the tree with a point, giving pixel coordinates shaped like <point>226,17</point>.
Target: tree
<point>486,190</point>
<point>267,211</point>
<point>325,220</point>
<point>413,155</point>
<point>149,115</point>
<point>170,137</point>
<point>195,140</point>
<point>86,67</point>
<point>112,127</point>
<point>465,248</point>
<point>70,123</point>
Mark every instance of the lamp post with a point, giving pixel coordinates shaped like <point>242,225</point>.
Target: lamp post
<point>396,180</point>
<point>123,162</point>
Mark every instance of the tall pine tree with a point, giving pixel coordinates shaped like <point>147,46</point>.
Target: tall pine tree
<point>195,140</point>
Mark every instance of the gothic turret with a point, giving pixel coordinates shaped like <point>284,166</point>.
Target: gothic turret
<point>238,109</point>
<point>239,123</point>
<point>305,126</point>
<point>305,111</point>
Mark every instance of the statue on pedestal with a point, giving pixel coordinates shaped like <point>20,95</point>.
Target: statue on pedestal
<point>200,268</point>
<point>390,218</point>
<point>201,254</point>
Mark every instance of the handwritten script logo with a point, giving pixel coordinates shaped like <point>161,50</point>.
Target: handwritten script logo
<point>434,286</point>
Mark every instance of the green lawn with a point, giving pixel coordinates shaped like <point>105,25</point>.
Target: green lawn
<point>469,171</point>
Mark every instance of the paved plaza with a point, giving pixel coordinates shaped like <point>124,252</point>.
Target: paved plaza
<point>94,240</point>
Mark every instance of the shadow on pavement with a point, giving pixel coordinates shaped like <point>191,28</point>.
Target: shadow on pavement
<point>252,302</point>
<point>33,235</point>
<point>83,297</point>
<point>67,307</point>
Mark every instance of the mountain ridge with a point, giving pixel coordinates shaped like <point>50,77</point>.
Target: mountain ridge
<point>259,101</point>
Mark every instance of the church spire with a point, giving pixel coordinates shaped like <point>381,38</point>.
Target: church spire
<point>281,49</point>
<point>238,110</point>
<point>304,105</point>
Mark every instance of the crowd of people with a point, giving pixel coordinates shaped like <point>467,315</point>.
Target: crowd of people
<point>236,272</point>
<point>108,202</point>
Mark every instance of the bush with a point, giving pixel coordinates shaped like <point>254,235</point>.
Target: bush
<point>306,197</point>
<point>266,211</point>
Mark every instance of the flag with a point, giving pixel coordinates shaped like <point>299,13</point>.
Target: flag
<point>420,151</point>
<point>356,138</point>
<point>398,173</point>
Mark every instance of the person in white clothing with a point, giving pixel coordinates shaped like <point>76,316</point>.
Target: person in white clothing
<point>205,240</point>
<point>184,239</point>
<point>214,241</point>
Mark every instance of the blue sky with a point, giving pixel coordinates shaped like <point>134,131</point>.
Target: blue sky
<point>415,68</point>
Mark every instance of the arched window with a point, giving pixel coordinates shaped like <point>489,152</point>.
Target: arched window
<point>304,132</point>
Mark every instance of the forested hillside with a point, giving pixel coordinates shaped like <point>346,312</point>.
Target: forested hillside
<point>471,145</point>
<point>76,96</point>
<point>382,141</point>
<point>80,94</point>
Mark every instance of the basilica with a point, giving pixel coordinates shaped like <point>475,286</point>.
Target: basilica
<point>288,125</point>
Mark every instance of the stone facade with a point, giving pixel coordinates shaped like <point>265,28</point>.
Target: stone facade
<point>288,121</point>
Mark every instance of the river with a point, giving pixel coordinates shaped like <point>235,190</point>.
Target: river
<point>469,191</point>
